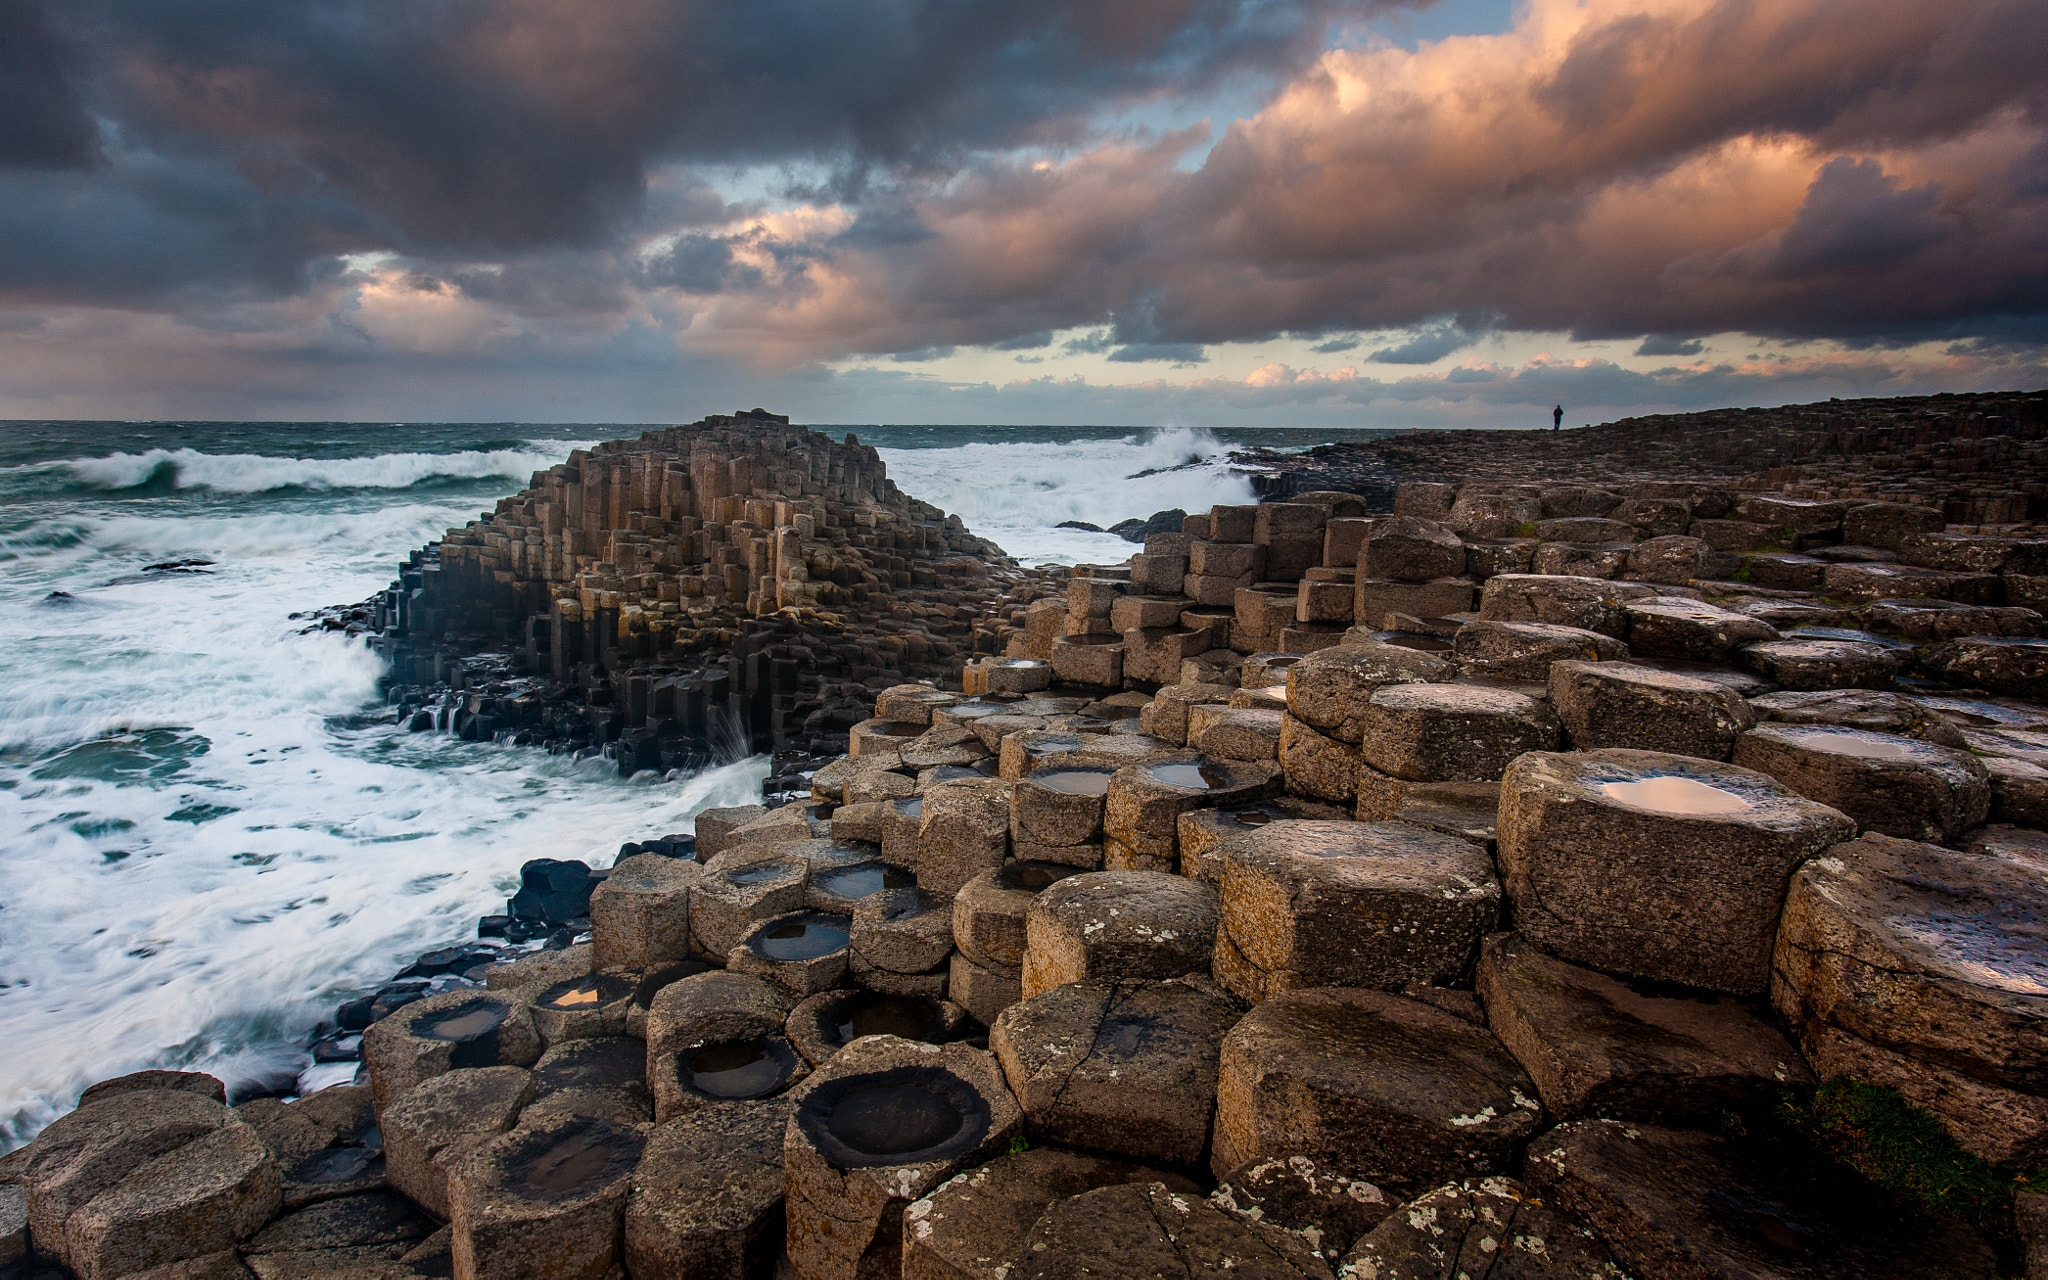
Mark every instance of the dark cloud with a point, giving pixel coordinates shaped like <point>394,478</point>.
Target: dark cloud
<point>1335,345</point>
<point>505,124</point>
<point>1427,345</point>
<point>1858,217</point>
<point>1662,344</point>
<point>43,121</point>
<point>1025,341</point>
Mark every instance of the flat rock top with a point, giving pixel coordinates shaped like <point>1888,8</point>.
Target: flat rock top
<point>1454,699</point>
<point>1402,1055</point>
<point>1860,744</point>
<point>1679,787</point>
<point>1647,677</point>
<point>1975,919</point>
<point>1124,901</point>
<point>1389,854</point>
<point>1151,1231</point>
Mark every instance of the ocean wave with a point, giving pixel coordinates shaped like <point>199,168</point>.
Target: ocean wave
<point>1014,492</point>
<point>171,470</point>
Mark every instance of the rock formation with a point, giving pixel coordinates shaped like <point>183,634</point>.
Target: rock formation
<point>1437,890</point>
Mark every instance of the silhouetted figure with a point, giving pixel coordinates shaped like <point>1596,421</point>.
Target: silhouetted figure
<point>1557,417</point>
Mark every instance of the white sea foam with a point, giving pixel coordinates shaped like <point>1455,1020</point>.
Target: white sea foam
<point>260,473</point>
<point>1014,493</point>
<point>203,844</point>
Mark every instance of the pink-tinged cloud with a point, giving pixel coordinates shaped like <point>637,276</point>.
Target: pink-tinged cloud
<point>1866,169</point>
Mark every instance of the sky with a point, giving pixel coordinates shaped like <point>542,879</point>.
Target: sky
<point>1361,213</point>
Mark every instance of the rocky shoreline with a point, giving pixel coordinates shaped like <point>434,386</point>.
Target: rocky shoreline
<point>1499,884</point>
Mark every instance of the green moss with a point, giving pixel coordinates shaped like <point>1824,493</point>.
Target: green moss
<point>1896,1146</point>
<point>1527,529</point>
<point>1742,574</point>
<point>1018,1145</point>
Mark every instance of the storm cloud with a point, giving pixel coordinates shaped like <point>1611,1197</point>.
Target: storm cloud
<point>467,184</point>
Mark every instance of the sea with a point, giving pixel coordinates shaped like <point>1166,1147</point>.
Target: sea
<point>211,831</point>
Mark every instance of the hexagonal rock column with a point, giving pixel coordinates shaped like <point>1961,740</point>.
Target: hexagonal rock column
<point>1107,926</point>
<point>1671,1203</point>
<point>886,1122</point>
<point>197,1199</point>
<point>1594,604</point>
<point>973,1227</point>
<point>2018,667</point>
<point>604,1077</point>
<point>964,829</point>
<point>1059,808</point>
<point>1235,733</point>
<point>1149,1231</point>
<point>901,941</point>
<point>829,1021</point>
<point>1350,904</point>
<point>445,1033</point>
<point>1392,1090</point>
<point>1674,627</point>
<point>1127,1069</point>
<point>104,1140</point>
<point>595,1004</point>
<point>1654,865</point>
<point>544,1203</point>
<point>1316,764</point>
<point>989,911</point>
<point>804,952</point>
<point>1145,801</point>
<point>1328,690</point>
<point>1480,1227</point>
<point>707,1194</point>
<point>1822,664</point>
<point>1202,831</point>
<point>1596,1046</point>
<point>883,735</point>
<point>739,891</point>
<point>912,703</point>
<point>1894,786</point>
<point>1620,704</point>
<point>453,1111</point>
<point>1870,709</point>
<point>1922,969</point>
<point>717,1037</point>
<point>640,915</point>
<point>1452,732</point>
<point>1525,650</point>
<point>1095,659</point>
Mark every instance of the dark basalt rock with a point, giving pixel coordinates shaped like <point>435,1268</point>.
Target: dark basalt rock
<point>1670,1203</point>
<point>554,890</point>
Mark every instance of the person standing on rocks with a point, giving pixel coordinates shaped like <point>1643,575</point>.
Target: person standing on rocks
<point>1557,417</point>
